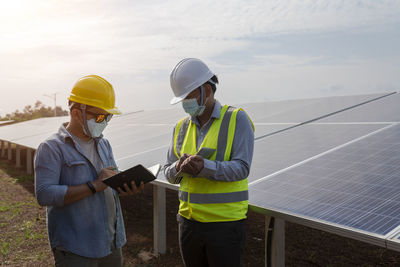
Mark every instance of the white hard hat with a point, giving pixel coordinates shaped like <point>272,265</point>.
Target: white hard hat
<point>188,74</point>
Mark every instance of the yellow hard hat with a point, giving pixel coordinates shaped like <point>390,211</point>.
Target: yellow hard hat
<point>94,91</point>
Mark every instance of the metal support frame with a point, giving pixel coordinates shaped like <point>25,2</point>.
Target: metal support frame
<point>28,160</point>
<point>3,149</point>
<point>275,232</point>
<point>9,151</point>
<point>159,219</point>
<point>18,156</point>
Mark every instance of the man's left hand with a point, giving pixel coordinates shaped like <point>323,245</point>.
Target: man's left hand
<point>133,189</point>
<point>193,165</point>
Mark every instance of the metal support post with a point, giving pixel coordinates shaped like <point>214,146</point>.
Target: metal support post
<point>28,160</point>
<point>18,156</point>
<point>9,151</point>
<point>159,220</point>
<point>274,242</point>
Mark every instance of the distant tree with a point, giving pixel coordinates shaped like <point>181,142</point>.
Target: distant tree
<point>39,110</point>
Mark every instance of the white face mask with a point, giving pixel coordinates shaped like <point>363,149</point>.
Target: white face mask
<point>90,127</point>
<point>95,129</point>
<point>191,107</point>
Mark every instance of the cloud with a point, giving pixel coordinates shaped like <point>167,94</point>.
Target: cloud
<point>47,45</point>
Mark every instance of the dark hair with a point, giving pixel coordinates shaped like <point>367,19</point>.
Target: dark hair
<point>213,86</point>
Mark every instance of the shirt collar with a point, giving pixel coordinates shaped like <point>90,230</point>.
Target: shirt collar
<point>216,113</point>
<point>62,131</point>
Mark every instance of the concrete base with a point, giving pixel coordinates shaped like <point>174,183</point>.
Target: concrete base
<point>18,156</point>
<point>159,220</point>
<point>277,250</point>
<point>9,151</point>
<point>3,149</point>
<point>29,160</point>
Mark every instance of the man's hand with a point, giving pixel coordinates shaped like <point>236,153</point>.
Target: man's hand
<point>104,173</point>
<point>192,164</point>
<point>130,190</point>
<point>178,166</point>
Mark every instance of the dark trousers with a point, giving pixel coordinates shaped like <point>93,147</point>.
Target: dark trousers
<point>64,258</point>
<point>216,244</point>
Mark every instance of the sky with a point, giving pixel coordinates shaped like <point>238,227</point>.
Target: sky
<point>260,50</point>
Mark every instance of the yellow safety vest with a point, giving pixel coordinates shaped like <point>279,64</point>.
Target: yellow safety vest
<point>202,199</point>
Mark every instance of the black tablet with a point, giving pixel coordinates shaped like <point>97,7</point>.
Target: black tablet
<point>137,173</point>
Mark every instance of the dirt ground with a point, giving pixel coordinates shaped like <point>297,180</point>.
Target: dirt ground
<point>24,242</point>
<point>304,246</point>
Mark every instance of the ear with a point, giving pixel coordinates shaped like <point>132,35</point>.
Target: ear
<point>207,89</point>
<point>76,115</point>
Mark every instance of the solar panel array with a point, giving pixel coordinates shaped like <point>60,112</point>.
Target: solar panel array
<point>352,188</point>
<point>356,185</point>
<point>330,163</point>
<point>31,133</point>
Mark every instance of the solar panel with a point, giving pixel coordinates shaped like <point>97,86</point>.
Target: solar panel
<point>263,111</point>
<point>19,131</point>
<point>386,109</point>
<point>34,140</point>
<point>355,186</point>
<point>139,139</point>
<point>303,110</point>
<point>282,150</point>
<point>146,158</point>
<point>166,116</point>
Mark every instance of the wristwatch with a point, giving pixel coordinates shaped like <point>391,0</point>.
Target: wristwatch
<point>91,187</point>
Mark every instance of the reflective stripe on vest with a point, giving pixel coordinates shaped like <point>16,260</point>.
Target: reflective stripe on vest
<point>214,198</point>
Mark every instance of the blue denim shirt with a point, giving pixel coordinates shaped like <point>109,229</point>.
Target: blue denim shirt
<point>80,227</point>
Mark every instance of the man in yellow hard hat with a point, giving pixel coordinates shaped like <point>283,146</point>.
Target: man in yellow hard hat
<point>210,157</point>
<point>84,217</point>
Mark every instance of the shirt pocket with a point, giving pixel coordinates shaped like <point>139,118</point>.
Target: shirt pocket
<point>76,172</point>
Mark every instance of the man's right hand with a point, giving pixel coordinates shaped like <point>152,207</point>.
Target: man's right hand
<point>178,166</point>
<point>104,173</point>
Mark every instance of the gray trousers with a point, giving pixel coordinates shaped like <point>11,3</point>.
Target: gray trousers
<point>64,258</point>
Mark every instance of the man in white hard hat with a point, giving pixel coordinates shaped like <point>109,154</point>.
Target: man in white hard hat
<point>210,157</point>
<point>84,217</point>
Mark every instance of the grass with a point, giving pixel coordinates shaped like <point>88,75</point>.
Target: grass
<point>14,175</point>
<point>5,248</point>
<point>22,221</point>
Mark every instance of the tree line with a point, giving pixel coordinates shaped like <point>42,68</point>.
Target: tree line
<point>38,110</point>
